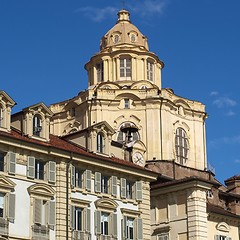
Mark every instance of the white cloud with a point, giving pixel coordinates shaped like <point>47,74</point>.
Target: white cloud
<point>213,93</point>
<point>224,102</point>
<point>146,7</point>
<point>224,140</point>
<point>230,113</point>
<point>97,14</point>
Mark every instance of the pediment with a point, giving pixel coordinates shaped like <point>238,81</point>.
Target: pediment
<point>6,185</point>
<point>141,84</point>
<point>103,126</point>
<point>105,203</point>
<point>222,226</point>
<point>181,102</point>
<point>40,108</point>
<point>41,189</point>
<point>4,97</point>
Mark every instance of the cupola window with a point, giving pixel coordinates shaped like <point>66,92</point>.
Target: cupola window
<point>37,125</point>
<point>116,38</point>
<point>150,70</point>
<point>133,38</point>
<point>126,103</point>
<point>181,145</point>
<point>99,68</point>
<point>125,68</point>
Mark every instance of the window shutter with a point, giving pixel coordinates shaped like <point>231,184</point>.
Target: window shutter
<point>88,180</point>
<point>11,162</point>
<point>138,186</point>
<point>51,212</point>
<point>123,187</point>
<point>72,217</point>
<point>37,211</point>
<point>31,167</point>
<point>87,220</point>
<point>72,176</point>
<point>114,225</point>
<point>52,171</point>
<point>139,229</point>
<point>11,206</point>
<point>97,222</point>
<point>97,182</point>
<point>114,186</point>
<point>124,227</point>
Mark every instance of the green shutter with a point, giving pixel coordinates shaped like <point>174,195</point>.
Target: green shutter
<point>114,225</point>
<point>114,186</point>
<point>72,217</point>
<point>123,187</point>
<point>52,213</point>
<point>52,172</point>
<point>139,230</point>
<point>11,206</point>
<point>97,182</point>
<point>87,220</point>
<point>97,222</point>
<point>138,187</point>
<point>72,176</point>
<point>37,210</point>
<point>31,167</point>
<point>11,161</point>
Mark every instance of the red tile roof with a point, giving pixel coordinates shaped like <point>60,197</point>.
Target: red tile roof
<point>64,145</point>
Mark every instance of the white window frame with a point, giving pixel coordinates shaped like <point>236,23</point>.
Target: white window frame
<point>163,236</point>
<point>78,216</point>
<point>105,184</point>
<point>181,146</point>
<point>105,223</point>
<point>125,68</point>
<point>129,189</point>
<point>130,228</point>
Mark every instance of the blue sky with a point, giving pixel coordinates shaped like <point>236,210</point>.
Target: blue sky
<point>45,44</point>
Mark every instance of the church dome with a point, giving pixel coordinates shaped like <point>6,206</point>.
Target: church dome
<point>124,34</point>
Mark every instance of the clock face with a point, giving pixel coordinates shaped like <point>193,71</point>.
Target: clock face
<point>138,159</point>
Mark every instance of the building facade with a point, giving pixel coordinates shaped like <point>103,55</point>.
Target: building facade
<point>124,159</point>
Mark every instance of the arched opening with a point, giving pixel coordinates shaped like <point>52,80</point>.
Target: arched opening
<point>37,125</point>
<point>181,145</point>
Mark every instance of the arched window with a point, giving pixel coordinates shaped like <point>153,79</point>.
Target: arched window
<point>1,116</point>
<point>99,68</point>
<point>127,133</point>
<point>37,125</point>
<point>150,70</point>
<point>125,68</point>
<point>100,143</point>
<point>181,145</point>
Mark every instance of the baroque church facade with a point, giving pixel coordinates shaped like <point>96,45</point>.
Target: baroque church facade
<point>124,159</point>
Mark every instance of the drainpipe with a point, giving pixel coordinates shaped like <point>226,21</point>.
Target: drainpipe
<point>67,189</point>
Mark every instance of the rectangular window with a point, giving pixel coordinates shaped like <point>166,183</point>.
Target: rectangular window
<point>1,116</point>
<point>163,236</point>
<point>125,68</point>
<point>149,71</point>
<point>104,184</point>
<point>130,228</point>
<point>2,157</point>
<point>39,169</point>
<point>129,189</point>
<point>104,223</point>
<point>126,103</point>
<point>99,68</point>
<point>1,205</point>
<point>78,215</point>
